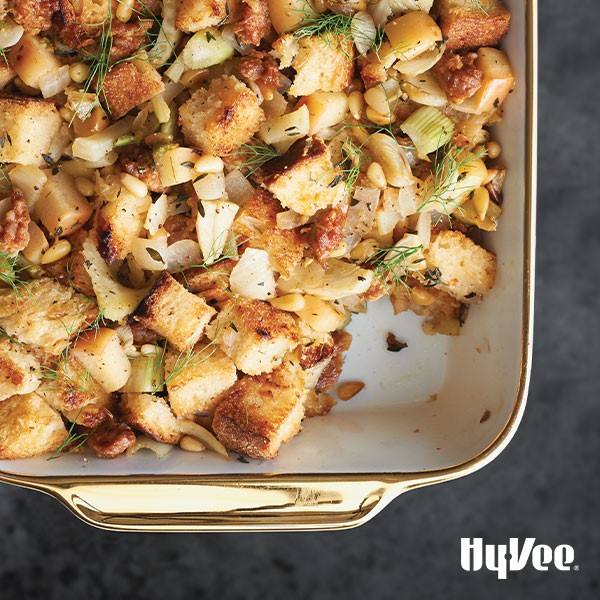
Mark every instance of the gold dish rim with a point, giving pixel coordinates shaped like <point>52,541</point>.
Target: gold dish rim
<point>306,501</point>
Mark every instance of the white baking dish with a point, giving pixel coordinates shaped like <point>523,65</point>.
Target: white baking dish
<point>440,409</point>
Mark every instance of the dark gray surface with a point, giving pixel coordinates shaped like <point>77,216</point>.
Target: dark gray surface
<point>545,485</point>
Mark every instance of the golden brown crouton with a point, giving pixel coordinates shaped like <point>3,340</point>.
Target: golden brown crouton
<point>467,25</point>
<point>318,404</point>
<point>174,313</point>
<point>19,370</point>
<point>322,63</point>
<point>29,427</point>
<point>69,388</point>
<point>196,382</point>
<point>467,270</point>
<point>256,227</point>
<point>14,226</point>
<point>151,415</point>
<point>304,179</point>
<point>195,15</point>
<point>254,24</point>
<point>28,127</point>
<point>110,439</point>
<point>45,314</point>
<point>255,335</point>
<point>330,375</point>
<point>34,15</point>
<point>220,119</point>
<point>260,413</point>
<point>128,85</point>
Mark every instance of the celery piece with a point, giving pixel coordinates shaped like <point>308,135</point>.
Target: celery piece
<point>429,129</point>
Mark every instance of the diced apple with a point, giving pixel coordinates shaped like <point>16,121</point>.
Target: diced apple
<point>175,165</point>
<point>31,59</point>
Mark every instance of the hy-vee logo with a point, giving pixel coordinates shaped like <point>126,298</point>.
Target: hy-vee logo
<point>514,557</point>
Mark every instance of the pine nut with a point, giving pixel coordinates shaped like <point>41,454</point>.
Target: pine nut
<point>356,103</point>
<point>378,118</point>
<point>84,186</point>
<point>481,201</point>
<point>158,138</point>
<point>134,185</point>
<point>58,250</point>
<point>494,149</point>
<point>376,175</point>
<point>289,302</point>
<point>376,98</point>
<point>124,10</point>
<point>161,109</point>
<point>422,297</point>
<point>349,389</point>
<point>132,352</point>
<point>364,250</point>
<point>209,164</point>
<point>190,444</point>
<point>148,350</point>
<point>79,72</point>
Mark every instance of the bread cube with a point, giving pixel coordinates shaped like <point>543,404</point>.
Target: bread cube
<point>218,120</point>
<point>195,15</point>
<point>304,179</point>
<point>467,25</point>
<point>317,404</point>
<point>151,415</point>
<point>468,271</point>
<point>19,370</point>
<point>29,126</point>
<point>174,313</point>
<point>255,335</point>
<point>261,413</point>
<point>196,384</point>
<point>45,314</point>
<point>322,63</point>
<point>34,15</point>
<point>29,427</point>
<point>128,85</point>
<point>284,246</point>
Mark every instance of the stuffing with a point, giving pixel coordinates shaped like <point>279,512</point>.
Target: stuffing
<point>29,126</point>
<point>221,118</point>
<point>29,427</point>
<point>304,179</point>
<point>70,389</point>
<point>128,85</point>
<point>256,227</point>
<point>322,63</point>
<point>254,24</point>
<point>45,314</point>
<point>255,335</point>
<point>7,74</point>
<point>196,385</point>
<point>327,233</point>
<point>142,166</point>
<point>466,25</point>
<point>318,404</point>
<point>110,439</point>
<point>441,305</point>
<point>199,279</point>
<point>260,67</point>
<point>261,413</point>
<point>331,373</point>
<point>458,75</point>
<point>19,370</point>
<point>14,226</point>
<point>467,270</point>
<point>151,415</point>
<point>195,15</point>
<point>174,313</point>
<point>34,15</point>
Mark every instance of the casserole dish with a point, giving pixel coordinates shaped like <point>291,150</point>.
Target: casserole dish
<point>441,409</point>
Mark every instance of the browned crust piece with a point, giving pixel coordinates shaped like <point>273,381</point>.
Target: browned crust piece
<point>34,15</point>
<point>14,227</point>
<point>110,439</point>
<point>318,404</point>
<point>128,85</point>
<point>152,415</point>
<point>254,24</point>
<point>331,374</point>
<point>465,26</point>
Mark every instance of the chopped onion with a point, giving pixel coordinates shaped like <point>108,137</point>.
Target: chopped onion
<point>214,220</point>
<point>143,442</point>
<point>361,212</point>
<point>210,186</point>
<point>408,200</point>
<point>238,188</point>
<point>10,33</point>
<point>149,253</point>
<point>55,82</point>
<point>424,228</point>
<point>229,36</point>
<point>381,12</point>
<point>205,49</point>
<point>95,147</point>
<point>422,63</point>
<point>125,335</point>
<point>363,31</point>
<point>157,214</point>
<point>206,437</point>
<point>253,276</point>
<point>424,89</point>
<point>390,155</point>
<point>182,254</point>
<point>168,35</point>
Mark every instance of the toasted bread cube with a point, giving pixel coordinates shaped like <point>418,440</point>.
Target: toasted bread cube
<point>33,15</point>
<point>322,63</point>
<point>284,246</point>
<point>467,25</point>
<point>19,370</point>
<point>196,385</point>
<point>29,427</point>
<point>151,415</point>
<point>45,314</point>
<point>255,335</point>
<point>304,179</point>
<point>261,413</point>
<point>220,119</point>
<point>468,271</point>
<point>315,354</point>
<point>29,126</point>
<point>128,85</point>
<point>195,15</point>
<point>174,313</point>
<point>317,404</point>
<point>70,389</point>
